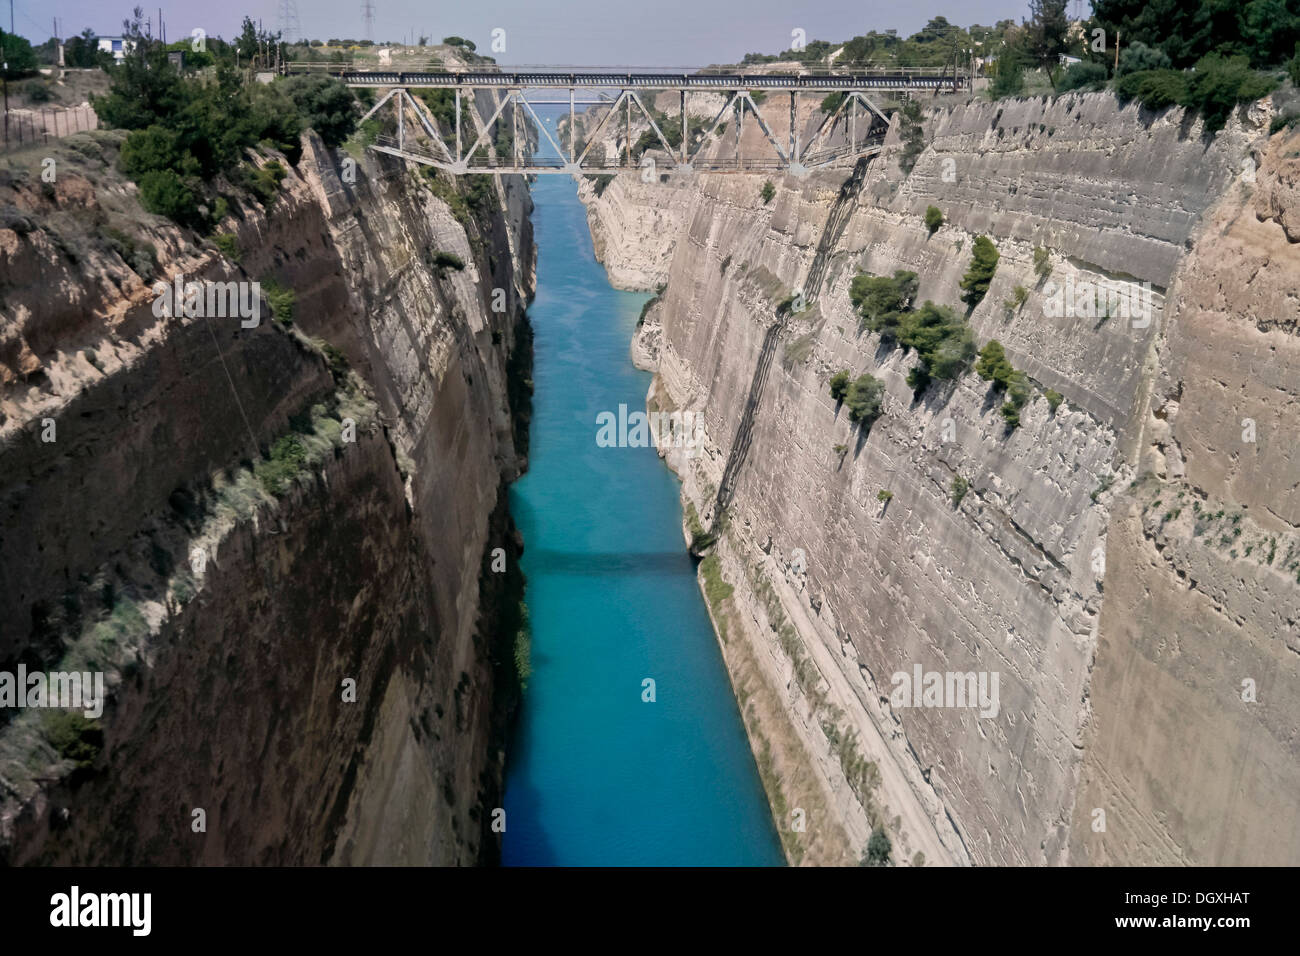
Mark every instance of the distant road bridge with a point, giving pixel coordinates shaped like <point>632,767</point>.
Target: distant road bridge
<point>514,94</point>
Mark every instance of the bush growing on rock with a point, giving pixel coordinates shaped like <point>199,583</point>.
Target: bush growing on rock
<point>1019,296</point>
<point>448,260</point>
<point>944,344</point>
<point>878,849</point>
<point>1018,392</point>
<point>1153,89</point>
<point>165,193</point>
<point>881,301</point>
<point>1219,84</point>
<point>1042,262</point>
<point>933,219</point>
<point>993,365</point>
<point>768,192</point>
<point>73,736</point>
<point>1214,89</point>
<point>863,399</point>
<point>958,490</point>
<point>983,264</point>
<point>281,299</point>
<point>912,131</point>
<point>840,382</point>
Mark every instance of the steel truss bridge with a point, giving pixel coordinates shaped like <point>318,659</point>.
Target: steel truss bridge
<point>514,95</point>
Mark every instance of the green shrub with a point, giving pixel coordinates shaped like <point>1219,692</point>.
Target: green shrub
<point>1219,84</point>
<point>767,192</point>
<point>1042,262</point>
<point>831,102</point>
<point>263,182</point>
<point>448,260</point>
<point>1214,89</point>
<point>958,490</point>
<point>983,264</point>
<point>878,849</point>
<point>863,399</point>
<point>1153,89</point>
<point>881,301</point>
<point>38,92</point>
<point>1293,67</point>
<point>228,244</point>
<point>282,300</point>
<point>1019,296</point>
<point>1018,392</point>
<point>325,104</point>
<point>933,219</point>
<point>287,459</point>
<point>993,365</point>
<point>141,256</point>
<point>885,496</point>
<point>1137,57</point>
<point>165,193</point>
<point>1054,399</point>
<point>19,57</point>
<point>73,736</point>
<point>152,149</point>
<point>1010,79</point>
<point>1082,75</point>
<point>840,384</point>
<point>943,342</point>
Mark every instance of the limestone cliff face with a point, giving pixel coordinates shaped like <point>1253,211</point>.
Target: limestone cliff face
<point>1120,635</point>
<point>400,382</point>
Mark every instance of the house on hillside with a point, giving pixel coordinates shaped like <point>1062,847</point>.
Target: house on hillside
<point>118,46</point>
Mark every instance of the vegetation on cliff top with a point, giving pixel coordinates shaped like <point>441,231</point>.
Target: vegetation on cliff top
<point>186,131</point>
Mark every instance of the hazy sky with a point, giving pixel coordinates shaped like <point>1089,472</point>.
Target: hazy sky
<point>589,32</point>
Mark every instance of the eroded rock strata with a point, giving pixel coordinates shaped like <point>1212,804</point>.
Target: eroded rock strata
<point>322,683</point>
<point>1126,562</point>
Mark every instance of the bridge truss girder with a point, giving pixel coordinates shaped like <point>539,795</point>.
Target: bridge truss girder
<point>794,157</point>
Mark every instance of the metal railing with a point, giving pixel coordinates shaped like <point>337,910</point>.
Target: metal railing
<point>923,78</point>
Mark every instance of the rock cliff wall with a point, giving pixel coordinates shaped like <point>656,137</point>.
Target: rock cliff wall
<point>324,683</point>
<point>1120,634</point>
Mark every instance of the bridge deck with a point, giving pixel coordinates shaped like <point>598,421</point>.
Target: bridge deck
<point>900,81</point>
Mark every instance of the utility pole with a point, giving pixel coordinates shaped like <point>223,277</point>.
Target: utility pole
<point>4,57</point>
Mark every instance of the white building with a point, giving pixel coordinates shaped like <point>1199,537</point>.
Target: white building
<point>118,46</point>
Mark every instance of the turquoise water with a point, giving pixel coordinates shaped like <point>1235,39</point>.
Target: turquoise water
<point>595,775</point>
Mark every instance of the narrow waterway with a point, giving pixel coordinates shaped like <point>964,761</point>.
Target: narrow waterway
<point>596,775</point>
